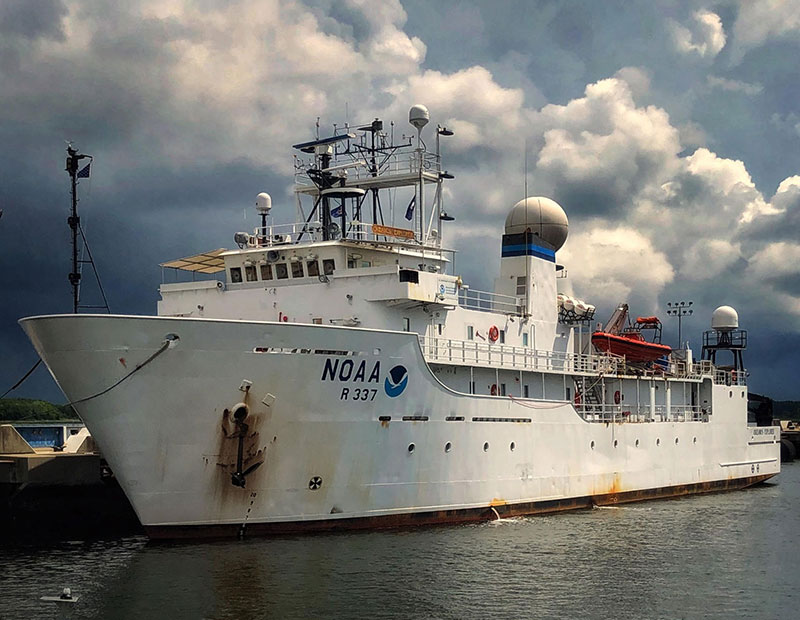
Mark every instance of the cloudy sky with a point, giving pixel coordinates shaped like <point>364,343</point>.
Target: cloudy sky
<point>668,130</point>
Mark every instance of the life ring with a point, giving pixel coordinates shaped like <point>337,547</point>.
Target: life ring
<point>617,397</point>
<point>577,398</point>
<point>493,389</point>
<point>494,333</point>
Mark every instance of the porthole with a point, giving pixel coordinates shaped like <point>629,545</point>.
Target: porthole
<point>411,448</point>
<point>676,441</point>
<point>637,443</point>
<point>658,442</point>
<point>591,445</point>
<point>694,439</point>
<point>486,447</point>
<point>731,394</point>
<point>512,446</point>
<point>616,442</point>
<point>448,446</point>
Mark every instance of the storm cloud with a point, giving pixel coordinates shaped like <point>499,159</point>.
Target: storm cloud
<point>664,129</point>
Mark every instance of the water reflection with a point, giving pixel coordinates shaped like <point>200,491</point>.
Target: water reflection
<point>717,556</point>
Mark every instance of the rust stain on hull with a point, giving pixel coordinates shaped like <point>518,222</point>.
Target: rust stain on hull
<point>174,532</point>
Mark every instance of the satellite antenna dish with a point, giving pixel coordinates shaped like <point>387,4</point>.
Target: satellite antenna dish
<point>419,116</point>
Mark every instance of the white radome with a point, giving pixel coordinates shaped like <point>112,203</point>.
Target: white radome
<point>263,203</point>
<point>543,216</point>
<point>725,319</point>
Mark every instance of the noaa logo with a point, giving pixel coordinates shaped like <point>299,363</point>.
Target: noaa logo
<point>396,382</point>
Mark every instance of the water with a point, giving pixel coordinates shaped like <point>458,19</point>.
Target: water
<point>733,555</point>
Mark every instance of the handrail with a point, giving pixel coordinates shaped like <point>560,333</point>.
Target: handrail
<point>641,413</point>
<point>489,302</point>
<point>472,352</point>
<point>476,353</point>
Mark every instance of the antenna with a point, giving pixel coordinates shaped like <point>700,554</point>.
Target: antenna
<point>73,157</point>
<point>419,116</point>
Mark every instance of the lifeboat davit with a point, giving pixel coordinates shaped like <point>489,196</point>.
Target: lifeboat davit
<point>630,344</point>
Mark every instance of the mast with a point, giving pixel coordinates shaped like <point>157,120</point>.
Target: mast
<point>73,157</point>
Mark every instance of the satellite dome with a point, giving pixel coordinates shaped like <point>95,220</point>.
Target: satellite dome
<point>264,203</point>
<point>725,319</point>
<point>543,217</point>
<point>418,116</point>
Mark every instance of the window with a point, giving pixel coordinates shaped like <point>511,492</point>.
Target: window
<point>312,267</point>
<point>568,394</point>
<point>366,263</point>
<point>250,273</point>
<point>470,332</point>
<point>525,339</point>
<point>525,391</point>
<point>236,274</point>
<point>281,271</point>
<point>328,266</point>
<point>520,286</point>
<point>439,328</point>
<point>408,275</point>
<point>297,269</point>
<point>502,389</point>
<point>317,321</point>
<point>266,272</point>
<point>406,324</point>
<point>501,336</point>
<point>471,387</point>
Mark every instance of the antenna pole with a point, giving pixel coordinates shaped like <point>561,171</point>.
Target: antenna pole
<point>73,157</point>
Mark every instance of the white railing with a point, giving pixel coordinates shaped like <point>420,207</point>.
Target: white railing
<point>488,302</point>
<point>403,164</point>
<point>641,413</point>
<point>474,353</point>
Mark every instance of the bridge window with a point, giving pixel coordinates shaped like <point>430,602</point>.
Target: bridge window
<point>236,274</point>
<point>297,270</point>
<point>521,286</point>
<point>409,275</point>
<point>312,267</point>
<point>250,273</point>
<point>266,272</point>
<point>328,266</point>
<point>281,271</point>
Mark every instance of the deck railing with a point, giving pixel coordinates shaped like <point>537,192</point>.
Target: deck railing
<point>489,302</point>
<point>641,413</point>
<point>474,353</point>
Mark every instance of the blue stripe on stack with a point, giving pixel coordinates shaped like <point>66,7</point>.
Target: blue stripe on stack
<point>529,249</point>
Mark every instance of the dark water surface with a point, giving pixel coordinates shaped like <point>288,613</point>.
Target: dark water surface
<point>733,555</point>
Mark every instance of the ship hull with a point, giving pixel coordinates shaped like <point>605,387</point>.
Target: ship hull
<point>348,428</point>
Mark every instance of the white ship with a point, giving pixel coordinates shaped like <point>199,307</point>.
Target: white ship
<point>340,375</point>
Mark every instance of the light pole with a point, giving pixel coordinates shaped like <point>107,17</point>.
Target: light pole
<point>679,309</point>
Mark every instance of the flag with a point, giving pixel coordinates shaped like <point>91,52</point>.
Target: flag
<point>410,209</point>
<point>83,173</point>
<point>336,212</point>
